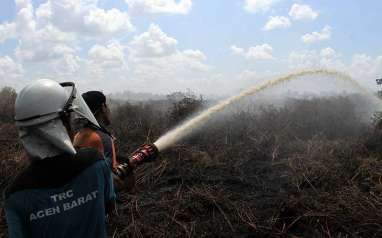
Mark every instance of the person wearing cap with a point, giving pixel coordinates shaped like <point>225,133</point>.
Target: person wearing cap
<point>98,137</point>
<point>63,192</point>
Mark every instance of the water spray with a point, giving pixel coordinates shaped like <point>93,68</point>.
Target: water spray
<point>187,127</point>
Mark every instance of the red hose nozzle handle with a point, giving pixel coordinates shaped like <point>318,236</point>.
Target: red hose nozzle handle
<point>145,153</point>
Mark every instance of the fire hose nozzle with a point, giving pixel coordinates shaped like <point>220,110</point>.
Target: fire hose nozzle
<point>145,153</point>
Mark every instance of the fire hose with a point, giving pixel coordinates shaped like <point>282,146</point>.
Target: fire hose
<point>145,153</point>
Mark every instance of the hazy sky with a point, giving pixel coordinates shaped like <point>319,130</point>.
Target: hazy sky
<point>209,46</point>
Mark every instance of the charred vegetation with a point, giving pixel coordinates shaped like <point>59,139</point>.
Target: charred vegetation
<point>309,168</point>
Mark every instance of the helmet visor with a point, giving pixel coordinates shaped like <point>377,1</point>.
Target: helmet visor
<point>78,105</point>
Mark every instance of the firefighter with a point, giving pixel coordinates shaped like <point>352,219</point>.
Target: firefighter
<point>63,192</point>
<point>100,138</point>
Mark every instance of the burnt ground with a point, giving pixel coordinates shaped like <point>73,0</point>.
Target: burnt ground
<point>310,169</point>
<point>198,195</point>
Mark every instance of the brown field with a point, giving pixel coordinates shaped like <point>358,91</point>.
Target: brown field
<point>309,168</point>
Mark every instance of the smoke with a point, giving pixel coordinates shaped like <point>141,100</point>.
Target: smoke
<point>187,127</point>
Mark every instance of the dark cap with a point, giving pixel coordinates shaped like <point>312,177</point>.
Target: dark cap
<point>94,100</point>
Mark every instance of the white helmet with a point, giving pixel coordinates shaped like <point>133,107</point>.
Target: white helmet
<point>38,111</point>
<point>46,99</point>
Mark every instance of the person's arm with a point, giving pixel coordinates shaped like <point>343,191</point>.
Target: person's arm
<point>16,227</point>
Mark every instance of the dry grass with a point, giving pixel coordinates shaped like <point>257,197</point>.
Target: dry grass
<point>276,173</point>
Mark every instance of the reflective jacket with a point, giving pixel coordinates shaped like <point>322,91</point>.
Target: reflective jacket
<point>63,196</point>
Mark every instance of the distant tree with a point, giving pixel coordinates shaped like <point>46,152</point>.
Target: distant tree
<point>7,103</point>
<point>183,105</point>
